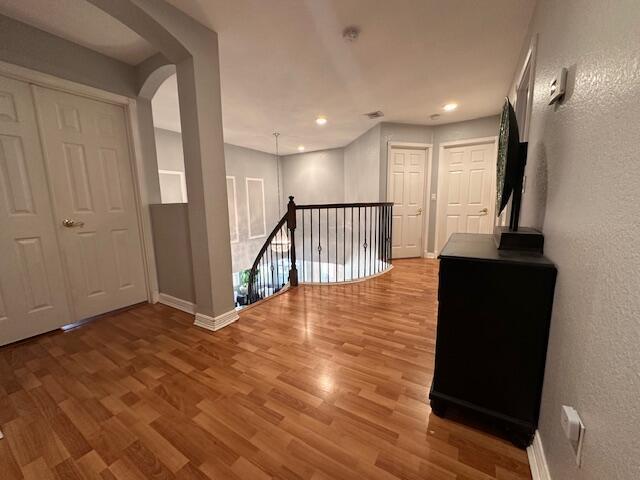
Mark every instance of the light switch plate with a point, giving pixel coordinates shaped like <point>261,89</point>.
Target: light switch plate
<point>558,86</point>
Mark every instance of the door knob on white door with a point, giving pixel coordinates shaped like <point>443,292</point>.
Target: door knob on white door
<point>67,222</point>
<point>419,211</point>
<point>484,211</point>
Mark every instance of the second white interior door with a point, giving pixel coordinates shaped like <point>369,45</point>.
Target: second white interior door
<point>86,151</point>
<point>406,190</point>
<point>466,190</point>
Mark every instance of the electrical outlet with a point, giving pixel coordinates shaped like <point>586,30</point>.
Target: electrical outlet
<point>573,429</point>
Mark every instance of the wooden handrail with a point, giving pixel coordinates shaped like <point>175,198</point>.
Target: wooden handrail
<point>342,205</point>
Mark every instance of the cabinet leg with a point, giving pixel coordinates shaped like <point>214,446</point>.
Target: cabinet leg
<point>520,438</point>
<point>438,407</point>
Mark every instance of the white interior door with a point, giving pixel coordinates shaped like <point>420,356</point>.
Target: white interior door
<point>87,156</point>
<point>466,191</point>
<point>32,291</point>
<point>405,189</point>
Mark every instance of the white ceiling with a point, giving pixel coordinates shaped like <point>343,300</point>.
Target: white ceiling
<point>81,22</point>
<point>283,62</point>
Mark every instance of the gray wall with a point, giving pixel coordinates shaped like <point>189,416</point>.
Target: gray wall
<point>583,187</point>
<point>240,163</point>
<point>478,128</point>
<point>170,225</point>
<point>365,159</point>
<point>24,45</point>
<point>362,167</point>
<point>399,132</point>
<point>314,177</point>
<point>169,150</point>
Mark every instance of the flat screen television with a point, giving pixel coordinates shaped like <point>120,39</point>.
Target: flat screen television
<point>512,158</point>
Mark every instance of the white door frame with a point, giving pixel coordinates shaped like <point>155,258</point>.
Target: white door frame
<point>530,64</point>
<point>137,165</point>
<point>441,158</point>
<point>428,148</point>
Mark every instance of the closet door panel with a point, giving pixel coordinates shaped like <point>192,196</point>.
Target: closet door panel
<point>86,150</point>
<point>32,287</point>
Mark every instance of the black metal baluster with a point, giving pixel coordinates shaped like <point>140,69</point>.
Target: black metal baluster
<point>384,226</point>
<point>280,247</point>
<point>336,244</point>
<point>365,245</point>
<point>375,240</point>
<point>344,244</point>
<point>271,267</point>
<point>262,267</point>
<point>351,254</point>
<point>359,229</point>
<point>383,243</point>
<point>311,242</point>
<point>277,285</point>
<point>304,272</point>
<point>390,235</point>
<point>319,247</point>
<point>378,242</point>
<point>370,237</point>
<point>288,265</point>
<point>328,251</point>
<point>259,280</point>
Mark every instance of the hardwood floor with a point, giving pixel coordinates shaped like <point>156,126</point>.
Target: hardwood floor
<point>319,383</point>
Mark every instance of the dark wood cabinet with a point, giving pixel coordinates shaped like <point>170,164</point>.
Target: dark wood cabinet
<point>494,310</point>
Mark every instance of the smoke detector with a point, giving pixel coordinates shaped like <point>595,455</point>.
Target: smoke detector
<point>350,34</point>
<point>373,115</point>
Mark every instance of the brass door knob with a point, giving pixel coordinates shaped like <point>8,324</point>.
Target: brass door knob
<point>484,211</point>
<point>67,222</point>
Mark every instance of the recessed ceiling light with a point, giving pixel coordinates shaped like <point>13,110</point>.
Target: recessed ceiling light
<point>450,107</point>
<point>321,120</point>
<point>301,148</point>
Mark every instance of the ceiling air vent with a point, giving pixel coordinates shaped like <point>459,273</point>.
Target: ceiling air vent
<point>376,114</point>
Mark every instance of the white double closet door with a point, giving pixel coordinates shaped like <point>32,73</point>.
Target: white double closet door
<point>70,243</point>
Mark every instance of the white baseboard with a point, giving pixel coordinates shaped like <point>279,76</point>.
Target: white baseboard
<point>214,324</point>
<point>429,254</point>
<point>537,459</point>
<point>178,303</point>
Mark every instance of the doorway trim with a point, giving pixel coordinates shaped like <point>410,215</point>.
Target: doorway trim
<point>34,77</point>
<point>441,157</point>
<point>426,202</point>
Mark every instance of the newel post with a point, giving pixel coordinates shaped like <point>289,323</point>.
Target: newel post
<point>291,225</point>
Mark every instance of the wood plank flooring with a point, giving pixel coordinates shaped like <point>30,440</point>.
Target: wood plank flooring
<point>319,383</point>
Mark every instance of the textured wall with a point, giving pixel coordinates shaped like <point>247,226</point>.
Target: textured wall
<point>583,188</point>
<point>314,177</point>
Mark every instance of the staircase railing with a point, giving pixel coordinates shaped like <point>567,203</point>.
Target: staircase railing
<point>336,243</point>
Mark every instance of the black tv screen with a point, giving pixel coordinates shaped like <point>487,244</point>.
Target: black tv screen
<point>509,157</point>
